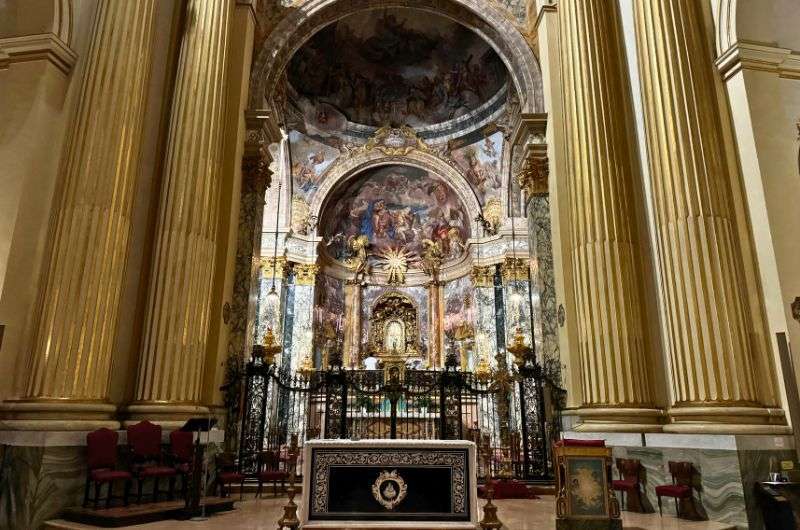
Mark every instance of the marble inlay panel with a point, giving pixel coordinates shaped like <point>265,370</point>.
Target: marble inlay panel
<point>302,338</point>
<point>719,492</point>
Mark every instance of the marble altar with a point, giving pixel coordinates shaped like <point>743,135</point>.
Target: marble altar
<point>417,484</point>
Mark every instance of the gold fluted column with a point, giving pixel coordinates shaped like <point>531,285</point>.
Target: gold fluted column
<point>720,372</point>
<point>80,289</point>
<point>177,318</point>
<point>352,323</point>
<point>602,178</point>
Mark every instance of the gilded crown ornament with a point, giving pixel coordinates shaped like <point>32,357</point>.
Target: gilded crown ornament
<point>306,367</point>
<point>521,351</point>
<point>271,348</point>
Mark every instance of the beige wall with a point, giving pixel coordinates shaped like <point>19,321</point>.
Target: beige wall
<point>33,127</point>
<point>760,63</point>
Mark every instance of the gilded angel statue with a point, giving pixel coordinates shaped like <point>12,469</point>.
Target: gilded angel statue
<point>356,253</point>
<point>432,257</point>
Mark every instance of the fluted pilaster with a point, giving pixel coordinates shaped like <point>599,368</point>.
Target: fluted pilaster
<point>177,318</point>
<point>715,357</point>
<point>80,289</point>
<point>602,180</point>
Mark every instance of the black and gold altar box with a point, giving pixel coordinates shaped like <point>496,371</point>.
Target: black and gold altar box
<point>402,483</point>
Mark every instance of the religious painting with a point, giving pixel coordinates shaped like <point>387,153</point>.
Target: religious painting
<point>329,306</point>
<point>586,487</point>
<point>397,208</point>
<point>459,309</point>
<point>310,159</point>
<point>392,66</point>
<point>481,163</point>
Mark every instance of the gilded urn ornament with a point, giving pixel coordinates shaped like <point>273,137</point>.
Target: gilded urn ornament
<point>389,489</point>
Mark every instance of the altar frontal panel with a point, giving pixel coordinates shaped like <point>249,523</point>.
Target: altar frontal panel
<point>389,484</point>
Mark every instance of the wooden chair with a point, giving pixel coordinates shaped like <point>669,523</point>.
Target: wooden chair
<point>147,459</point>
<point>680,490</point>
<point>227,474</point>
<point>269,463</point>
<point>181,453</point>
<point>101,456</point>
<point>629,483</point>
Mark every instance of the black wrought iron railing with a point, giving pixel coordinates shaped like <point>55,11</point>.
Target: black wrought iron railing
<point>513,417</point>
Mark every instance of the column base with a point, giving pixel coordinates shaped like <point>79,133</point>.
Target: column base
<point>168,415</point>
<point>727,420</point>
<point>611,419</point>
<point>56,415</point>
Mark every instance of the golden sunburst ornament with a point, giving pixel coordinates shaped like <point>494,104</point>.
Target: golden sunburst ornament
<point>394,262</point>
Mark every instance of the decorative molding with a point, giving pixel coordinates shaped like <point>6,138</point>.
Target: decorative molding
<point>529,145</point>
<point>43,46</point>
<point>764,57</point>
<point>262,129</point>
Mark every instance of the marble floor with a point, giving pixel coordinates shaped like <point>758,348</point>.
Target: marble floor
<point>536,514</point>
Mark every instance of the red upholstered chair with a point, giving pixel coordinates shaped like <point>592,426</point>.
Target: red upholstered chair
<point>227,474</point>
<point>101,456</point>
<point>571,442</point>
<point>680,490</point>
<point>269,470</point>
<point>629,483</point>
<point>147,460</point>
<point>181,452</point>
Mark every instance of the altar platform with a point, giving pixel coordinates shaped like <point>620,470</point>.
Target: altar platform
<point>380,484</point>
<point>518,514</point>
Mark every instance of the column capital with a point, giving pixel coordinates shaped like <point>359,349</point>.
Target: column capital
<point>483,276</point>
<point>305,273</point>
<point>267,263</point>
<point>514,269</point>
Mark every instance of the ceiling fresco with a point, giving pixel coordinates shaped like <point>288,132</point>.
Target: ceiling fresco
<point>397,207</point>
<point>392,66</point>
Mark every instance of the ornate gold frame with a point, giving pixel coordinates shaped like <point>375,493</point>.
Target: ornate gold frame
<point>390,306</point>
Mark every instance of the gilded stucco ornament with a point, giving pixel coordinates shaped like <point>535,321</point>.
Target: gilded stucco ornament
<point>394,262</point>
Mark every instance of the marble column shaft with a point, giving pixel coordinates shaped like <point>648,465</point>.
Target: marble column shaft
<point>715,359</point>
<point>352,323</point>
<point>82,281</point>
<point>177,318</point>
<point>602,179</point>
<point>436,328</point>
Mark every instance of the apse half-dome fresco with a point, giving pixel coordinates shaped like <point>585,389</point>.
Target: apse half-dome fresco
<point>393,66</point>
<point>397,208</point>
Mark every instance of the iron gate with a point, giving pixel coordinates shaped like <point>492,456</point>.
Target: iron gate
<point>513,416</point>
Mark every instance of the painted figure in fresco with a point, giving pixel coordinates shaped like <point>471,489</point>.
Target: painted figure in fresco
<point>403,224</point>
<point>392,69</point>
<point>397,207</point>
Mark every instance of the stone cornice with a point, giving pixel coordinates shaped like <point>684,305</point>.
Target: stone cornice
<point>761,56</point>
<point>43,46</point>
